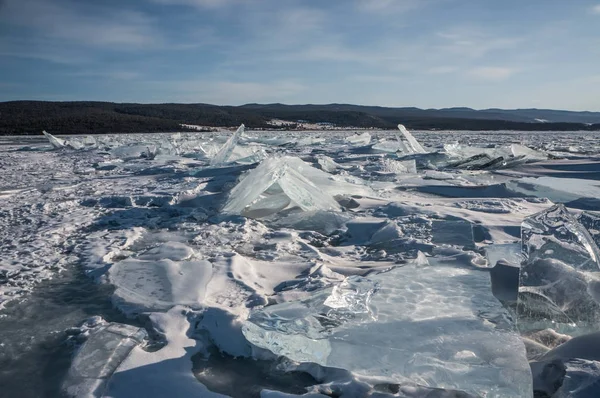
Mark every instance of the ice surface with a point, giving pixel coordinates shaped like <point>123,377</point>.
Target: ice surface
<point>559,281</point>
<point>438,326</point>
<point>162,277</point>
<point>99,357</point>
<point>412,141</point>
<point>222,156</point>
<point>275,179</point>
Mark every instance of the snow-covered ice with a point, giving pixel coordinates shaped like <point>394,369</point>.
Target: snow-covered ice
<point>337,263</point>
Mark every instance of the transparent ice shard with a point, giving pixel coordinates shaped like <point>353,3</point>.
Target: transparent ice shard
<point>436,325</point>
<point>288,176</point>
<point>359,140</point>
<point>591,221</point>
<point>98,358</point>
<point>560,275</point>
<point>222,156</point>
<point>556,234</point>
<point>327,164</point>
<point>412,141</point>
<point>55,141</point>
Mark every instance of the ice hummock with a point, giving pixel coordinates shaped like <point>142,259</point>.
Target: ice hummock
<point>223,155</point>
<point>559,277</point>
<point>278,183</point>
<point>438,326</point>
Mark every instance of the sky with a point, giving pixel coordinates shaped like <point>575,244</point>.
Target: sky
<point>422,53</point>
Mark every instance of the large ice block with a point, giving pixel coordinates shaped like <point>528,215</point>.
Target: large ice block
<point>278,182</point>
<point>226,150</point>
<point>98,358</point>
<point>437,325</point>
<point>559,277</point>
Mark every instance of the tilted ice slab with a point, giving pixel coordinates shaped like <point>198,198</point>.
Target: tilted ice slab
<point>413,144</point>
<point>226,150</point>
<point>438,326</point>
<point>159,279</point>
<point>278,182</point>
<point>97,359</point>
<point>55,141</point>
<point>560,278</point>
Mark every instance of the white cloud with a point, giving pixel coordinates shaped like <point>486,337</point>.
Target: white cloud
<point>596,9</point>
<point>493,73</point>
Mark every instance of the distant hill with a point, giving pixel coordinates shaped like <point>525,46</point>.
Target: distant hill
<point>84,117</point>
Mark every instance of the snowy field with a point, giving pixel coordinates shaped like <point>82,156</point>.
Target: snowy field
<point>317,264</point>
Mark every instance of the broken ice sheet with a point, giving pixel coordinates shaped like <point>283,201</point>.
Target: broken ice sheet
<point>438,326</point>
<point>560,277</point>
<point>359,140</point>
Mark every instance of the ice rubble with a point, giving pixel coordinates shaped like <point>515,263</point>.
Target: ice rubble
<point>437,325</point>
<point>560,281</point>
<point>278,183</point>
<point>473,158</point>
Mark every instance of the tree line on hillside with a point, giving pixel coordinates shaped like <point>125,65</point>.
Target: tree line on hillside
<point>84,117</point>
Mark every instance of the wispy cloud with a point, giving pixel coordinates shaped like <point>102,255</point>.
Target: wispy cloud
<point>596,9</point>
<point>474,42</point>
<point>493,73</point>
<point>198,3</point>
<point>93,26</point>
<point>225,92</point>
<point>393,6</point>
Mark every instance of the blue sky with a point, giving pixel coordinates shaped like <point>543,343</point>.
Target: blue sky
<point>424,53</point>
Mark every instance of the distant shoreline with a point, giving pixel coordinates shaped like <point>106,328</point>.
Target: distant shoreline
<point>84,117</point>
